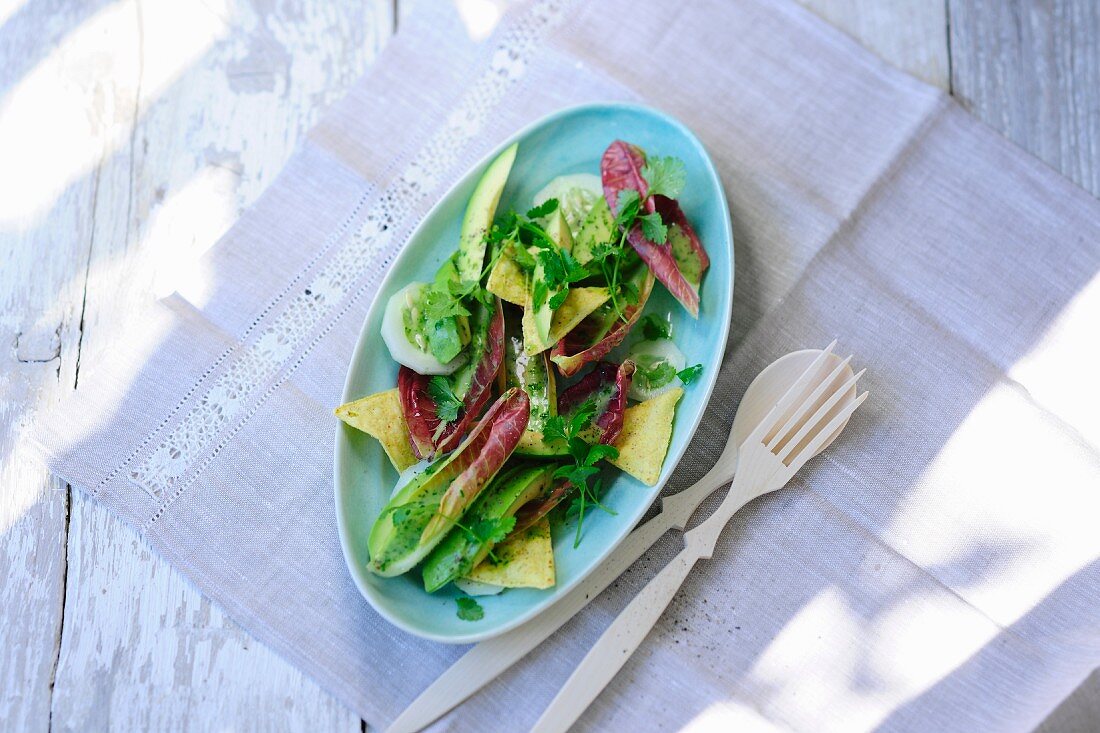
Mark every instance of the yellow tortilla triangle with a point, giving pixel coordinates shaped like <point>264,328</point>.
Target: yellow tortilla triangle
<point>524,561</point>
<point>379,416</point>
<point>647,431</point>
<point>507,281</point>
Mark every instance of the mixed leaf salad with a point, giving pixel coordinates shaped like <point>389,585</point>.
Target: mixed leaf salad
<point>509,405</point>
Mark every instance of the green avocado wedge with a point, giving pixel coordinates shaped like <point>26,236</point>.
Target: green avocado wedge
<point>419,515</point>
<point>480,212</point>
<point>464,547</point>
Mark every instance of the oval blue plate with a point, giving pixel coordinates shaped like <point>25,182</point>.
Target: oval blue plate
<point>570,141</point>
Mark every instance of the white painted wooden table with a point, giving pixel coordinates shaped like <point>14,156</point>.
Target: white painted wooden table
<point>132,134</point>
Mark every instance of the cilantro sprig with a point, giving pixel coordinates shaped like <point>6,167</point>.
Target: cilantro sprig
<point>469,609</point>
<point>489,531</point>
<point>447,403</point>
<point>585,456</point>
<point>655,327</point>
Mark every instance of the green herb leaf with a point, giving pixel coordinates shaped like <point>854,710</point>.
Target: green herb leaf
<point>549,206</point>
<point>554,429</point>
<point>655,327</point>
<point>600,452</point>
<point>558,298</point>
<point>447,403</point>
<point>629,204</point>
<point>493,531</point>
<point>690,374</point>
<point>522,257</point>
<point>658,374</point>
<point>665,176</point>
<point>653,228</point>
<point>469,609</point>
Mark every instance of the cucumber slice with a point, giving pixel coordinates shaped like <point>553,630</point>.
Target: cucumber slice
<point>576,194</point>
<point>406,343</point>
<point>657,363</point>
<point>461,549</point>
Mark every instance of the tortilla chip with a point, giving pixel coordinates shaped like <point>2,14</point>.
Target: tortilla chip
<point>507,281</point>
<point>647,431</point>
<point>379,416</point>
<point>578,304</point>
<point>524,561</point>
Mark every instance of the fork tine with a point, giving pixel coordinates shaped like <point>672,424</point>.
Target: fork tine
<point>787,400</point>
<point>799,414</point>
<point>800,458</point>
<point>815,420</point>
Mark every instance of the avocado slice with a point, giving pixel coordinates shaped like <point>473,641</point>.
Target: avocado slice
<point>532,374</point>
<point>419,515</point>
<point>460,551</point>
<point>539,312</point>
<point>595,229</point>
<point>480,212</point>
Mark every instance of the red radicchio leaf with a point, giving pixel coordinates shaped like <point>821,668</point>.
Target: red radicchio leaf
<point>420,410</point>
<point>621,169</point>
<point>594,339</point>
<point>608,384</point>
<point>660,261</point>
<point>536,509</point>
<point>488,446</point>
<point>679,226</point>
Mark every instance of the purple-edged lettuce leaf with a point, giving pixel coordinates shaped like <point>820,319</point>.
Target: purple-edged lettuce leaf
<point>602,331</point>
<point>621,170</point>
<point>607,385</point>
<point>472,384</point>
<point>491,442</point>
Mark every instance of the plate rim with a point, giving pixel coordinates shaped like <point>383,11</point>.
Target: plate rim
<point>357,352</point>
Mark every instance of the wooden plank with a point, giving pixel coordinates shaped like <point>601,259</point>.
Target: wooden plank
<point>910,34</point>
<point>180,121</point>
<point>1032,71</point>
<point>45,220</point>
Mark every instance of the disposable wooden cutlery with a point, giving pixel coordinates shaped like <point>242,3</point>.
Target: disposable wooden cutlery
<point>802,422</point>
<point>490,658</point>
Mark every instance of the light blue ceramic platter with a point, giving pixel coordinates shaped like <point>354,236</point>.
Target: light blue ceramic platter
<point>570,141</point>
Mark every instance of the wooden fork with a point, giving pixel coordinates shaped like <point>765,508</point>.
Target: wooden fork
<point>803,420</point>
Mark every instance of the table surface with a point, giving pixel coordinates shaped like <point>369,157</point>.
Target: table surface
<point>132,135</point>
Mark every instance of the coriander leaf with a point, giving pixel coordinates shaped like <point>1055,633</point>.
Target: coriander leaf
<point>665,176</point>
<point>574,271</point>
<point>553,268</point>
<point>441,303</point>
<point>580,418</point>
<point>599,452</point>
<point>654,327</point>
<point>549,206</point>
<point>522,257</point>
<point>690,374</point>
<point>576,475</point>
<point>653,228</point>
<point>447,403</point>
<point>630,293</point>
<point>658,375</point>
<point>554,428</point>
<point>469,609</point>
<point>630,202</point>
<point>493,530</point>
<point>558,298</point>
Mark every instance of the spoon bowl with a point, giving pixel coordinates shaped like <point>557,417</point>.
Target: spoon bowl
<point>772,383</point>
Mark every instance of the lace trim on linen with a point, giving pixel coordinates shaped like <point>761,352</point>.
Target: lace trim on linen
<point>252,370</point>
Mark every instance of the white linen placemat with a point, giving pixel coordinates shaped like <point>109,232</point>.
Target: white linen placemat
<point>939,568</point>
